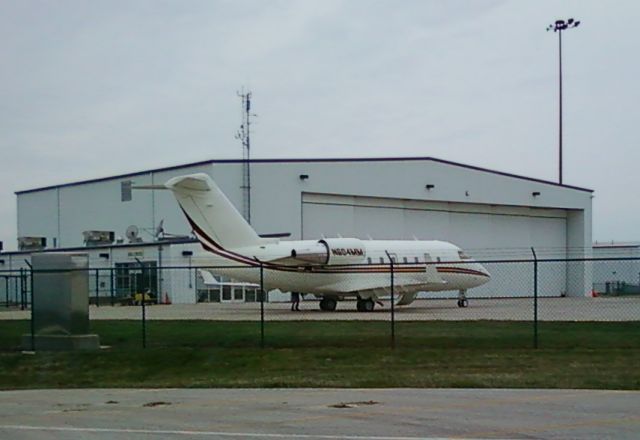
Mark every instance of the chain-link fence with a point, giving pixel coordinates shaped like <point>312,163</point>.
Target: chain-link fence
<point>15,289</point>
<point>393,302</point>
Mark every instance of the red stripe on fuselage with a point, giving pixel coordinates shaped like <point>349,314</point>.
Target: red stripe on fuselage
<point>461,271</point>
<point>212,246</point>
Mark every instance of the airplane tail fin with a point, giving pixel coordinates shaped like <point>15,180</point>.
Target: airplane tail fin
<point>212,216</point>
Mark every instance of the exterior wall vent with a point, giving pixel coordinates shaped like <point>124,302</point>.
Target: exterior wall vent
<point>32,243</point>
<point>94,238</point>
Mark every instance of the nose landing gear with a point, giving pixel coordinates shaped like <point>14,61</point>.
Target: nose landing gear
<point>462,298</point>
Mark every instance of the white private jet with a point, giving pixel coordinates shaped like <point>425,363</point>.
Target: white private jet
<point>330,268</point>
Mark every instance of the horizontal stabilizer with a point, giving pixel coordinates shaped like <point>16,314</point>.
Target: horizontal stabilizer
<point>276,235</point>
<point>208,278</point>
<point>211,281</point>
<point>150,187</point>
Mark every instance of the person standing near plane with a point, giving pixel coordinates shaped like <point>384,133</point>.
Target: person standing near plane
<point>295,301</point>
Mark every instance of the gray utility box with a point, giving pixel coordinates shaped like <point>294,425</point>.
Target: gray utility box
<point>60,303</point>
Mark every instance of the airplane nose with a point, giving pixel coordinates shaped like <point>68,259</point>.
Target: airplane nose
<point>482,269</point>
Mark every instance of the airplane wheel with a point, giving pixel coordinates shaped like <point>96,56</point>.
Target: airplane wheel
<point>368,305</point>
<point>328,304</point>
<point>365,305</point>
<point>463,303</point>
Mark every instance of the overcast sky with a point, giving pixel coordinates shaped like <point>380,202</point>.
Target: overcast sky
<point>90,89</point>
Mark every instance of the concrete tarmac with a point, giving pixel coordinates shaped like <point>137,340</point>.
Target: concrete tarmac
<point>516,309</point>
<point>377,414</point>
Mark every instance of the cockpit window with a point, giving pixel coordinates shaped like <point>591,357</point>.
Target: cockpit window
<point>463,256</point>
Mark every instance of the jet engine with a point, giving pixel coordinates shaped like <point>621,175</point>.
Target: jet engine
<point>345,250</point>
<point>331,251</point>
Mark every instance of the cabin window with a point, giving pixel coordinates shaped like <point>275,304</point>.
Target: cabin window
<point>405,260</point>
<point>416,260</point>
<point>368,260</point>
<point>381,260</point>
<point>463,256</point>
<point>438,258</point>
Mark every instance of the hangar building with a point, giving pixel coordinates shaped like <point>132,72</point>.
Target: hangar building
<point>492,215</point>
<point>617,271</point>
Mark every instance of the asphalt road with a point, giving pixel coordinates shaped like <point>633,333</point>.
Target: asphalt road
<point>391,414</point>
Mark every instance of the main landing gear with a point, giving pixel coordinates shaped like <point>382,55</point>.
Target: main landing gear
<point>462,298</point>
<point>365,305</point>
<point>328,304</point>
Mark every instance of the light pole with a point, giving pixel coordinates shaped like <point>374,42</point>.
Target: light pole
<point>559,26</point>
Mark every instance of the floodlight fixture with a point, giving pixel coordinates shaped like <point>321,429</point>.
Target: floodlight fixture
<point>559,26</point>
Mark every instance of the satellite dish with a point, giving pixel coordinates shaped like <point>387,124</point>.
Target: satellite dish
<point>159,229</point>
<point>132,234</point>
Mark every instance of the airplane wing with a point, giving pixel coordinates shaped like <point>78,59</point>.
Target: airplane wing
<point>407,299</point>
<point>290,261</point>
<point>378,284</point>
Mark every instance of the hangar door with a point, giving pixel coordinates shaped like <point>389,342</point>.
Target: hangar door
<point>484,231</point>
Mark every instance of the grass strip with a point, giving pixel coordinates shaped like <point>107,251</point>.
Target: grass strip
<point>334,354</point>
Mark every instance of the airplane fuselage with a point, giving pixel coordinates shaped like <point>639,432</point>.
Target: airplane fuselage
<point>417,266</point>
<point>329,267</point>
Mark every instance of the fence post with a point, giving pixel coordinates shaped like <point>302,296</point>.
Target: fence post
<point>261,305</point>
<point>97,287</point>
<point>25,289</point>
<point>111,282</point>
<point>27,302</point>
<point>535,298</point>
<point>144,311</point>
<point>33,322</point>
<point>16,290</point>
<point>393,312</point>
<point>22,298</point>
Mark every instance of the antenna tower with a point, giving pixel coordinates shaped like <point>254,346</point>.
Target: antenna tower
<point>244,134</point>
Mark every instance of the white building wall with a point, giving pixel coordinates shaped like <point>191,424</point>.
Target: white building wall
<point>179,280</point>
<point>484,212</point>
<point>92,207</point>
<point>175,280</point>
<point>276,195</point>
<point>31,209</point>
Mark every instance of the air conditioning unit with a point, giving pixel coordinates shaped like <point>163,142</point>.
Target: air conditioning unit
<point>32,243</point>
<point>94,238</point>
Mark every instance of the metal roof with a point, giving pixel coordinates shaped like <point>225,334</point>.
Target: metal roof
<point>616,245</point>
<point>102,247</point>
<point>299,160</point>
